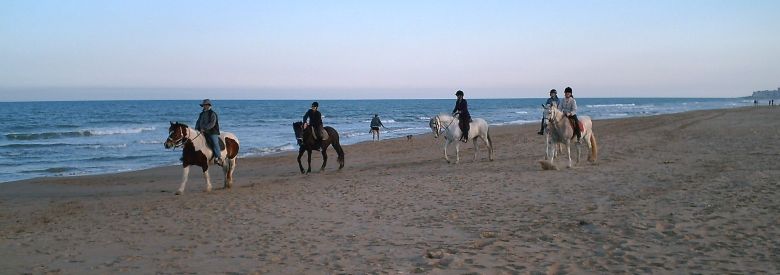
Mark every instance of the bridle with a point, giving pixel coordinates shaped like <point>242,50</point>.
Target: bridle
<point>439,127</point>
<point>181,141</point>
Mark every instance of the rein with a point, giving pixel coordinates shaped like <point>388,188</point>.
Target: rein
<point>183,139</point>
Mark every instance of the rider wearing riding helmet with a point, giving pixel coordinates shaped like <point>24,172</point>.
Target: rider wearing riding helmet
<point>315,121</point>
<point>553,100</point>
<point>569,109</point>
<point>461,111</point>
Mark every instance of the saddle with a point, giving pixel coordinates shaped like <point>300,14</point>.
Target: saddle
<point>323,134</point>
<point>579,125</point>
<point>221,143</point>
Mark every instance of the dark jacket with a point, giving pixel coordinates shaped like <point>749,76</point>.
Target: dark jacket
<point>375,122</point>
<point>208,122</point>
<point>463,107</point>
<point>315,118</point>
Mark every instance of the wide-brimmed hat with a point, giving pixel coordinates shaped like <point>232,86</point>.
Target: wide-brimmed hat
<point>459,92</point>
<point>205,102</point>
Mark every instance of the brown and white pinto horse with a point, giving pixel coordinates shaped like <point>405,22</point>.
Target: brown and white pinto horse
<point>197,152</point>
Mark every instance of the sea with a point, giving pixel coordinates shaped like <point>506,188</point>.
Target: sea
<point>72,138</point>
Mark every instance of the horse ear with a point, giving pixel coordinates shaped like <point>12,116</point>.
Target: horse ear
<point>171,122</point>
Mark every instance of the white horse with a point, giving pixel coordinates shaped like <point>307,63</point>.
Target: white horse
<point>561,132</point>
<point>197,152</point>
<point>551,149</point>
<point>478,128</point>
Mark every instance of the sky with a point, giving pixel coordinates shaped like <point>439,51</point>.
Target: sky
<point>95,50</point>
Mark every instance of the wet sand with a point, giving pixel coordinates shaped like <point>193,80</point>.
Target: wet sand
<point>694,192</point>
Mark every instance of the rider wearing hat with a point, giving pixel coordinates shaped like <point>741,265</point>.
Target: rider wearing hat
<point>461,111</point>
<point>208,123</point>
<point>569,109</point>
<point>553,100</point>
<point>315,121</point>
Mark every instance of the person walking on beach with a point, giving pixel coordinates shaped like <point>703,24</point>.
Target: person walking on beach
<point>314,118</point>
<point>208,124</point>
<point>375,124</point>
<point>553,100</point>
<point>569,109</point>
<point>461,111</point>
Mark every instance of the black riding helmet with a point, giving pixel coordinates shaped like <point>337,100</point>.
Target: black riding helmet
<point>567,90</point>
<point>315,104</point>
<point>459,92</point>
<point>553,91</point>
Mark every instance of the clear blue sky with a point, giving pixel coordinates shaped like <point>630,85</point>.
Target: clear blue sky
<point>386,49</point>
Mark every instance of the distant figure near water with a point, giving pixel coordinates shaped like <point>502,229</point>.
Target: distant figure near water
<point>375,124</point>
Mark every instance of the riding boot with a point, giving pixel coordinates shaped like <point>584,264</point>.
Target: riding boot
<point>579,135</point>
<point>541,131</point>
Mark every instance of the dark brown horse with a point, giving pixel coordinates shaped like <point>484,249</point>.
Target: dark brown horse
<point>307,143</point>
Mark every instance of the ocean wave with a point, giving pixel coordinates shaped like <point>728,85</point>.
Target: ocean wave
<point>106,146</point>
<point>261,151</point>
<point>521,112</point>
<point>518,122</point>
<point>82,133</point>
<point>150,142</point>
<point>117,158</point>
<point>53,170</point>
<point>120,131</point>
<point>32,145</point>
<point>610,105</point>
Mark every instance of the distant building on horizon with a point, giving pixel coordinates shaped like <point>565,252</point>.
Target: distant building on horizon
<point>767,94</point>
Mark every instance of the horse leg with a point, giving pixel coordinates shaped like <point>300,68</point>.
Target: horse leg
<point>476,149</point>
<point>185,174</point>
<point>231,163</point>
<point>324,158</point>
<point>300,154</point>
<point>457,152</point>
<point>546,147</point>
<point>578,152</point>
<point>568,154</point>
<point>446,142</point>
<point>308,154</point>
<point>208,180</point>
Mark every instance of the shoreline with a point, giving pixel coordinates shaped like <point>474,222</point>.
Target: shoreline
<point>294,151</point>
<point>691,192</point>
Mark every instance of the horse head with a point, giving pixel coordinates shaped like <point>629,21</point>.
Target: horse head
<point>552,113</point>
<point>177,135</point>
<point>435,125</point>
<point>298,128</point>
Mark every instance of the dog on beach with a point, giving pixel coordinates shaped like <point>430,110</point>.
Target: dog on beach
<point>409,138</point>
<point>548,165</point>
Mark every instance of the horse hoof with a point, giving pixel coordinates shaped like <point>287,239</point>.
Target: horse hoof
<point>178,193</point>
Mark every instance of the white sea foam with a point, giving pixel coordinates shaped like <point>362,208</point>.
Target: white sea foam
<point>119,131</point>
<point>610,105</point>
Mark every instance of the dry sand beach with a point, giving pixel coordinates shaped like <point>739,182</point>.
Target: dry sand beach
<point>694,192</point>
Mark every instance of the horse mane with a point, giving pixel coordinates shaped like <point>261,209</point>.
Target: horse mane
<point>179,123</point>
<point>446,116</point>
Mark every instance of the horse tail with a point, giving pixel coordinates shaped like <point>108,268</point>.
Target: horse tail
<point>490,140</point>
<point>594,148</point>
<point>337,146</point>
